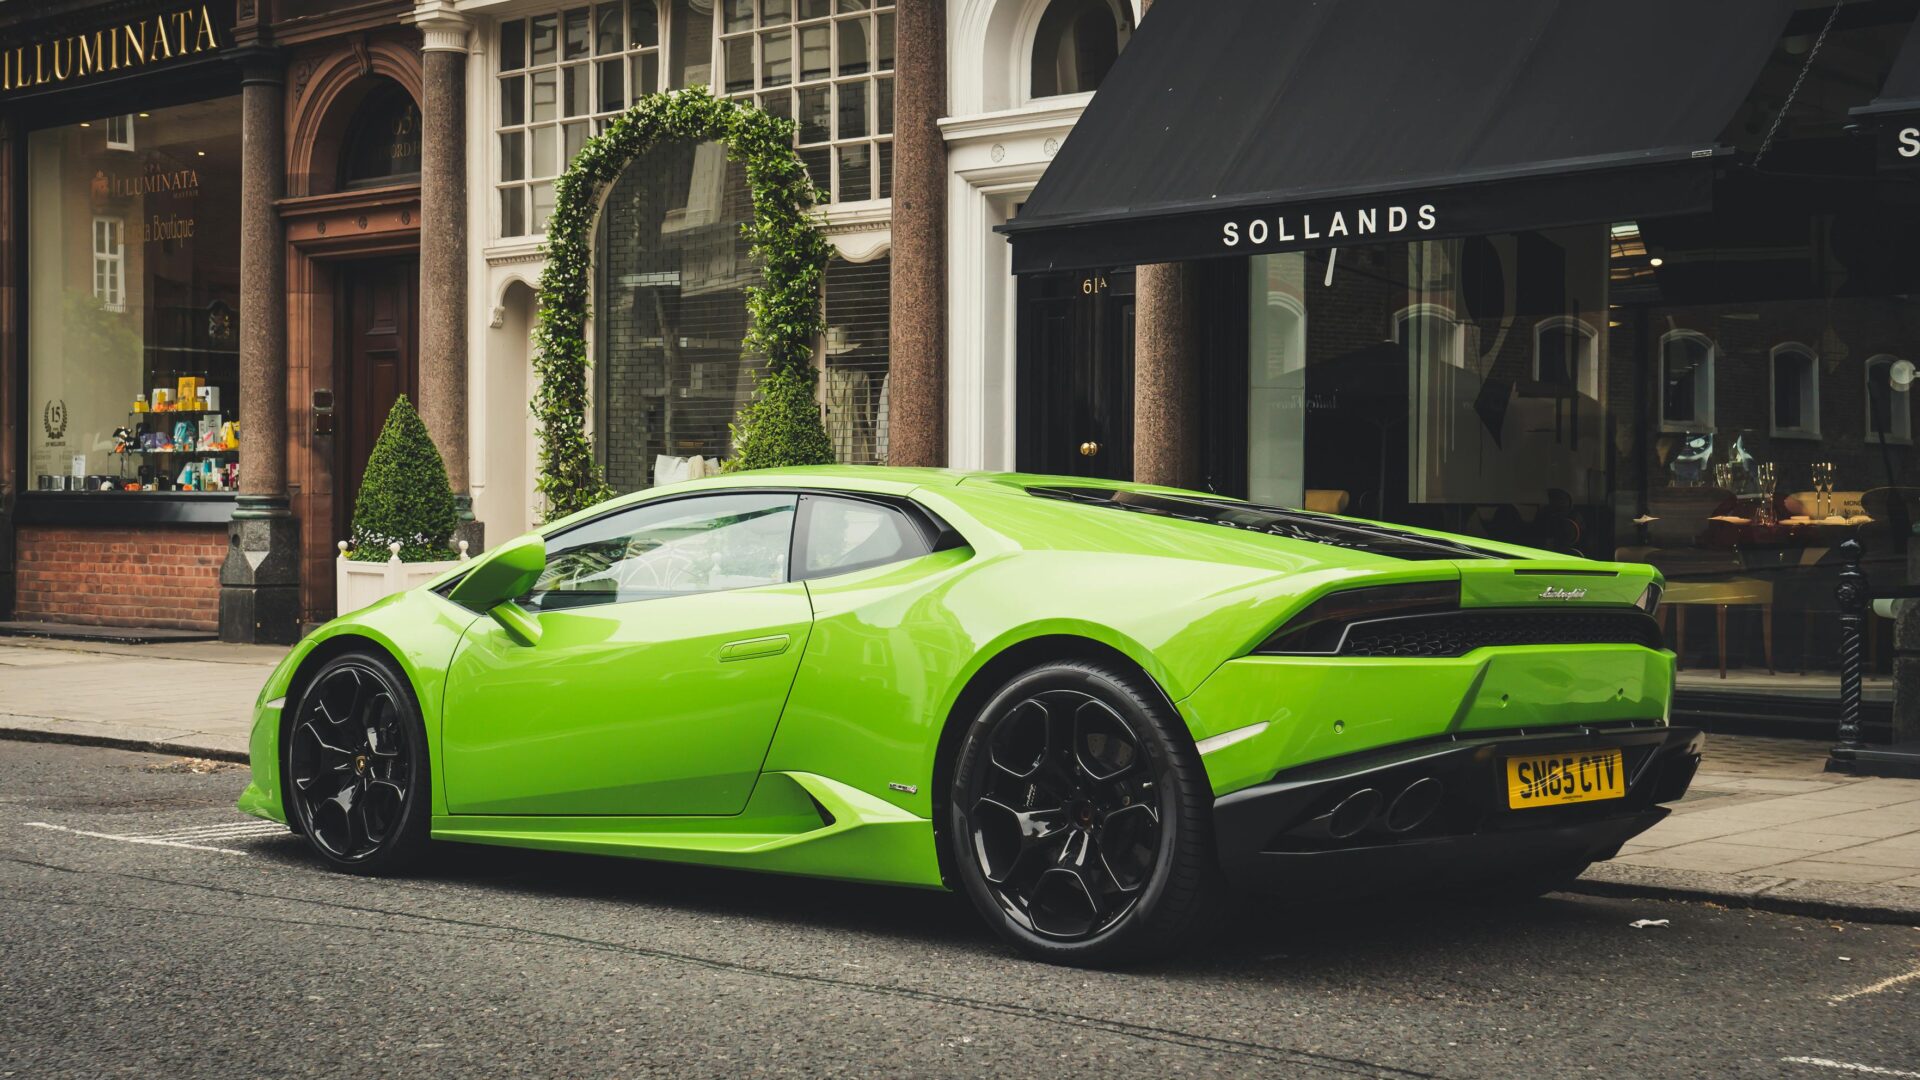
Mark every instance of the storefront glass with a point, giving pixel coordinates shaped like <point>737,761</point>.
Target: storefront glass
<point>1724,396</point>
<point>133,329</point>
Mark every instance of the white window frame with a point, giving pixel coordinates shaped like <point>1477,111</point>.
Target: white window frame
<point>120,132</point>
<point>1899,405</point>
<point>110,263</point>
<point>1124,17</point>
<point>1702,419</point>
<point>1587,366</point>
<point>1809,399</point>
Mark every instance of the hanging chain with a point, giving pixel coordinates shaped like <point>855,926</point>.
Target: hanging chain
<point>1767,143</point>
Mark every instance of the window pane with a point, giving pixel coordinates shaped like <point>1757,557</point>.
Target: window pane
<point>672,549</point>
<point>546,95</point>
<point>643,24</point>
<point>739,60</point>
<point>546,34</point>
<point>819,163</point>
<point>844,6</point>
<point>513,45</point>
<point>1684,357</point>
<point>884,56</point>
<point>739,15</point>
<point>776,58</point>
<point>775,12</point>
<point>513,101</point>
<point>542,206</point>
<point>545,155</point>
<point>886,171</point>
<point>606,29</point>
<point>613,85</point>
<point>816,58</point>
<point>579,34</point>
<point>814,120</point>
<point>576,137</point>
<point>853,110</point>
<point>513,211</point>
<point>1788,409</point>
<point>883,103</point>
<point>692,60</point>
<point>853,46</point>
<point>843,535</point>
<point>813,9</point>
<point>576,87</point>
<point>513,155</point>
<point>856,174</point>
<point>778,104</point>
<point>646,74</point>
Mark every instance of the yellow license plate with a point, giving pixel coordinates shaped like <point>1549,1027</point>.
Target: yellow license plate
<point>1571,777</point>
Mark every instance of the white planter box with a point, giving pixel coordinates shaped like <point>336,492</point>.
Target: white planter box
<point>357,584</point>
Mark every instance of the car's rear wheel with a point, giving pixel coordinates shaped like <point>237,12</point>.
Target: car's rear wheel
<point>355,766</point>
<point>1079,817</point>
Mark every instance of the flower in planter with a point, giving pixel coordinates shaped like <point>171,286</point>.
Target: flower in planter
<point>404,495</point>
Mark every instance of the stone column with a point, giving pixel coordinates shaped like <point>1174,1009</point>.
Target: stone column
<point>917,351</point>
<point>443,250</point>
<point>260,580</point>
<point>12,408</point>
<point>1166,372</point>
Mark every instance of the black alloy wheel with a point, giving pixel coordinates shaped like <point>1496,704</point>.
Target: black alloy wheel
<point>1078,817</point>
<point>356,776</point>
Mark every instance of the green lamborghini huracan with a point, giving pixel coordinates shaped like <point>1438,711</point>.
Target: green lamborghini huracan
<point>1093,706</point>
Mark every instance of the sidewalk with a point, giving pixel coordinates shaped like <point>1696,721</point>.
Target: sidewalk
<point>1763,826</point>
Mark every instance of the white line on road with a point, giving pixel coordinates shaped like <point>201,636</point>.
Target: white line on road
<point>1883,984</point>
<point>134,839</point>
<point>209,832</point>
<point>1849,1066</point>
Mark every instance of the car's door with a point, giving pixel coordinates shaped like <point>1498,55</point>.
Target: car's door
<point>669,635</point>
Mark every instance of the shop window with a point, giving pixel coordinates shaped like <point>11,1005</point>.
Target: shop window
<point>120,132</point>
<point>1889,409</point>
<point>132,284</point>
<point>854,382</point>
<point>1076,45</point>
<point>1565,356</point>
<point>1796,391</point>
<point>671,274</point>
<point>1686,381</point>
<point>383,141</point>
<point>828,66</point>
<point>110,263</point>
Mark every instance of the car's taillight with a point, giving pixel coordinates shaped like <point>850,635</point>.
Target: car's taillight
<point>1320,626</point>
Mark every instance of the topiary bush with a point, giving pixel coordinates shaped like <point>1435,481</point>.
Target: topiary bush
<point>782,425</point>
<point>404,495</point>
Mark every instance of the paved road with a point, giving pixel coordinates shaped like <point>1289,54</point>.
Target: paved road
<point>235,955</point>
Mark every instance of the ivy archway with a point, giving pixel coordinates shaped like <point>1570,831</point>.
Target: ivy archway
<point>781,426</point>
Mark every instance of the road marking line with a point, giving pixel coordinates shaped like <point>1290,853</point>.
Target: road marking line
<point>1849,1066</point>
<point>1883,984</point>
<point>134,839</point>
<point>207,832</point>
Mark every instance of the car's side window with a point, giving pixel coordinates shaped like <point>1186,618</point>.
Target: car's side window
<point>843,535</point>
<point>702,544</point>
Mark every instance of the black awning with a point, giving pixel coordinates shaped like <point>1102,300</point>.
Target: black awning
<point>1236,127</point>
<point>1901,92</point>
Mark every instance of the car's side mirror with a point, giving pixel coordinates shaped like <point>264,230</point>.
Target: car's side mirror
<point>498,578</point>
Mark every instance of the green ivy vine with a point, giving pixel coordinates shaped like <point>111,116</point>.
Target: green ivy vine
<point>782,426</point>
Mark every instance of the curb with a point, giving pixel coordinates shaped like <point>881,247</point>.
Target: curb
<point>111,742</point>
<point>1806,897</point>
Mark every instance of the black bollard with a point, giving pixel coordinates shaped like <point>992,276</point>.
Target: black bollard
<point>1853,599</point>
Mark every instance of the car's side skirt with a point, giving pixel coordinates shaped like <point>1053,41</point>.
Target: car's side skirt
<point>795,823</point>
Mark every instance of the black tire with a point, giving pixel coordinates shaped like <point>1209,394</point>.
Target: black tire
<point>353,761</point>
<point>1080,818</point>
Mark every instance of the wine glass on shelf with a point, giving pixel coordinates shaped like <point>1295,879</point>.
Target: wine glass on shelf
<point>1766,479</point>
<point>1822,486</point>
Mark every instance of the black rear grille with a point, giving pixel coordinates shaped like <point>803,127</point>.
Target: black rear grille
<point>1456,633</point>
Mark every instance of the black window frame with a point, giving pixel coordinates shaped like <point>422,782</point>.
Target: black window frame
<point>920,524</point>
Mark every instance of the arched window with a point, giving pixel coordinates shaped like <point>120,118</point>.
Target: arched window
<point>670,307</point>
<point>1077,43</point>
<point>1430,331</point>
<point>1795,373</point>
<point>383,141</point>
<point>1889,409</point>
<point>1566,355</point>
<point>1686,381</point>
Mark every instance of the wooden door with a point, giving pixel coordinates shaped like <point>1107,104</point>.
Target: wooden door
<point>1075,411</point>
<point>379,348</point>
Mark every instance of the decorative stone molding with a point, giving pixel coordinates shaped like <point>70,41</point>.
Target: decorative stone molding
<point>443,27</point>
<point>861,233</point>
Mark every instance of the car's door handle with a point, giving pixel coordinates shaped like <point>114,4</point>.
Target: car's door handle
<point>773,645</point>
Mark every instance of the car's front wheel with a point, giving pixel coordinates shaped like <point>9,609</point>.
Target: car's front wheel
<point>354,761</point>
<point>1079,817</point>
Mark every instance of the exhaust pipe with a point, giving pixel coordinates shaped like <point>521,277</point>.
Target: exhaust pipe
<point>1413,806</point>
<point>1353,814</point>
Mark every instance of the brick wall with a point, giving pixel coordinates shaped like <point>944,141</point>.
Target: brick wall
<point>154,575</point>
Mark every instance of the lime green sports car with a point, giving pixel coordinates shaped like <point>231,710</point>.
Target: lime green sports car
<point>1092,706</point>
